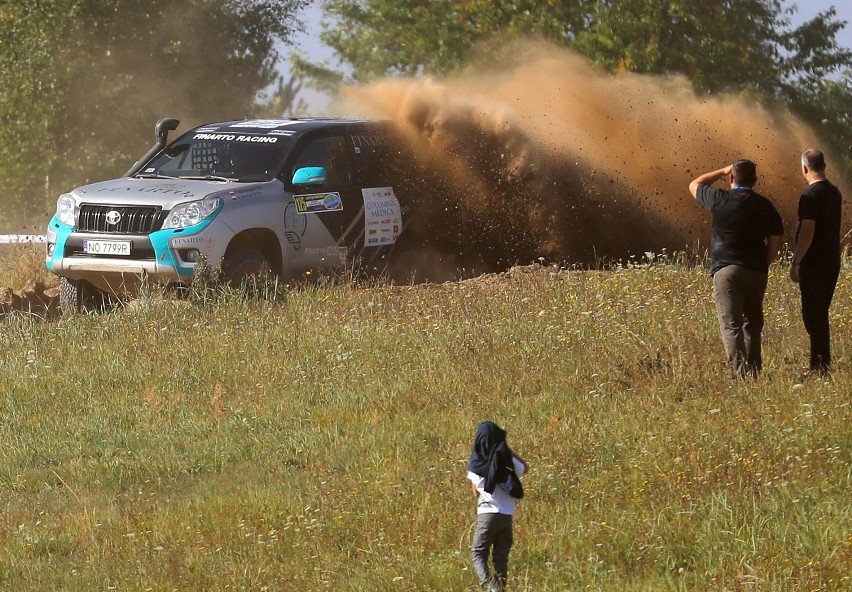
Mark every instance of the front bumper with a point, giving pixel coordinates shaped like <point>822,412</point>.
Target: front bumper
<point>155,257</point>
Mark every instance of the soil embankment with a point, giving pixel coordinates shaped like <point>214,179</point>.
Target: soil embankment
<point>34,298</point>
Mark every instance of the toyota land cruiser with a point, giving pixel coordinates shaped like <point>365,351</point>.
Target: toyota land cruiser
<point>288,196</point>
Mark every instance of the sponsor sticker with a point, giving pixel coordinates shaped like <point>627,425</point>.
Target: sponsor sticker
<point>146,187</point>
<point>338,253</point>
<point>382,216</point>
<point>189,240</point>
<point>316,203</point>
<point>262,123</point>
<point>245,193</point>
<point>236,138</point>
<point>294,226</point>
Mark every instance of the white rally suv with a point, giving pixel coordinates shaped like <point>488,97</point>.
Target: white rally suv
<point>288,196</point>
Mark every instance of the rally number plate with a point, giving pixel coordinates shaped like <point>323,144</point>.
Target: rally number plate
<point>106,247</point>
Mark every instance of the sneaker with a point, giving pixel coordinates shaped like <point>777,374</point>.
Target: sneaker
<point>804,374</point>
<point>808,373</point>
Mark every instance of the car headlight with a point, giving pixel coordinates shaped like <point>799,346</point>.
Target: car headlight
<point>191,213</point>
<point>66,209</point>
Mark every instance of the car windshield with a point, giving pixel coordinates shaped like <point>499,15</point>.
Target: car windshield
<point>239,157</point>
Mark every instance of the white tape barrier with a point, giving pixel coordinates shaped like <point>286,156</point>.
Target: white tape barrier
<point>22,238</point>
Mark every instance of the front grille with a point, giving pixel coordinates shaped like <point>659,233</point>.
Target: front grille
<point>134,219</point>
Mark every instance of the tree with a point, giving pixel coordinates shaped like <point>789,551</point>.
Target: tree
<point>722,46</point>
<point>283,100</point>
<point>822,100</point>
<point>827,106</point>
<point>83,81</point>
<point>716,47</point>
<point>408,37</point>
<point>26,53</point>
<point>751,50</point>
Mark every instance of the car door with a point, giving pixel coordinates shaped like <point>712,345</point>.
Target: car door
<point>329,215</point>
<point>377,171</point>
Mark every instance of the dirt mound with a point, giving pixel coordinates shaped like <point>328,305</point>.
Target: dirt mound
<point>35,298</point>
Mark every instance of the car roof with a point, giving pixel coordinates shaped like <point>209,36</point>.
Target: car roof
<point>287,127</point>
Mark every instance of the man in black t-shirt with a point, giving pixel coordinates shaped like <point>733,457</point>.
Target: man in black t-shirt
<point>747,234</point>
<point>816,257</point>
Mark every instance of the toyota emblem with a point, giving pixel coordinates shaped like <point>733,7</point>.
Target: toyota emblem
<point>113,217</point>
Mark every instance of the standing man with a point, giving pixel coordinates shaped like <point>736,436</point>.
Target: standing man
<point>747,234</point>
<point>816,256</point>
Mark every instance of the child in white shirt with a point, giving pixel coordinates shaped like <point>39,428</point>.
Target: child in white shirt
<point>494,471</point>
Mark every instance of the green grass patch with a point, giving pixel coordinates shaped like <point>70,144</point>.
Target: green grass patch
<point>319,440</point>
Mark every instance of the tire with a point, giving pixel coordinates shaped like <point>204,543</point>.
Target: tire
<point>77,296</point>
<point>246,268</point>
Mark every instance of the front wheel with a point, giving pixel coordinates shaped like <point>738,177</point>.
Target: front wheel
<point>80,296</point>
<point>246,267</point>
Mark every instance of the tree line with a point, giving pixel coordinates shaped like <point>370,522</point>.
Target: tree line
<point>747,47</point>
<point>82,81</point>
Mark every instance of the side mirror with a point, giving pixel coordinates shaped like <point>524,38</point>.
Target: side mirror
<point>309,176</point>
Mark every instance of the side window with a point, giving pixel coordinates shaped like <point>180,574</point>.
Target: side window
<point>377,157</point>
<point>329,153</point>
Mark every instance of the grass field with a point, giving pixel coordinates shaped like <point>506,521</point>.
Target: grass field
<point>20,263</point>
<point>317,440</point>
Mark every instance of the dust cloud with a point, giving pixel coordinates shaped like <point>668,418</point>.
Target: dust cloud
<point>551,157</point>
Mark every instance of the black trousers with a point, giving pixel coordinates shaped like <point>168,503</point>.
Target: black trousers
<point>817,286</point>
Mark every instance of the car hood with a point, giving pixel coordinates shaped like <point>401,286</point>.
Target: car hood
<point>166,193</point>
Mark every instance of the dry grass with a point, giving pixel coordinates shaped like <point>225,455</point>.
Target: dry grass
<point>318,440</point>
<point>21,263</point>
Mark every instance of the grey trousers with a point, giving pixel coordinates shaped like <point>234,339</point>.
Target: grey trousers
<point>493,531</point>
<point>738,292</point>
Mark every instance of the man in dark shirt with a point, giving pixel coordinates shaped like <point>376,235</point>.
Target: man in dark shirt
<point>816,256</point>
<point>747,234</point>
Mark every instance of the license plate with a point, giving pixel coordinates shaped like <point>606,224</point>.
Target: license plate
<point>106,247</point>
